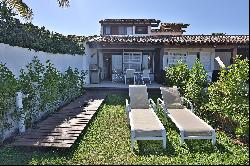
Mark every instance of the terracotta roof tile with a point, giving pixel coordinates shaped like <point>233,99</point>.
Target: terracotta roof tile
<point>168,39</point>
<point>130,21</point>
<point>174,24</point>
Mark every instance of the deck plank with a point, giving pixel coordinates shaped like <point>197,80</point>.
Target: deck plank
<point>62,128</point>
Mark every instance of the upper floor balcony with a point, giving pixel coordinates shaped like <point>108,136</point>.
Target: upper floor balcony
<point>134,27</point>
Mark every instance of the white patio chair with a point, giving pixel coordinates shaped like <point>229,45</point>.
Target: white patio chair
<point>118,76</point>
<point>130,74</point>
<point>145,75</point>
<point>143,121</point>
<point>189,125</point>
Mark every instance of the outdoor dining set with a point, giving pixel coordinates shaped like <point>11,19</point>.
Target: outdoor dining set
<point>132,75</point>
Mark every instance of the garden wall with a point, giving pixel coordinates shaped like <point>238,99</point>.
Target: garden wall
<point>17,57</point>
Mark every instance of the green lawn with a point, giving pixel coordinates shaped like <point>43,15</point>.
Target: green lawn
<point>107,141</point>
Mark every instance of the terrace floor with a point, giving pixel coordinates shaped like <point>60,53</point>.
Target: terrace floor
<point>119,86</point>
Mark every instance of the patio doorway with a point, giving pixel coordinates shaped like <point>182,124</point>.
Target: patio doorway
<point>107,67</point>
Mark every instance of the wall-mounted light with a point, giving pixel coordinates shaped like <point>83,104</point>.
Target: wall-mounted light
<point>92,55</point>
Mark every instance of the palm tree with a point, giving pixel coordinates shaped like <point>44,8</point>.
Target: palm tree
<point>25,11</point>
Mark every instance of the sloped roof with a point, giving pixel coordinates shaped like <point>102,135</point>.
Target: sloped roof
<point>168,39</point>
<point>129,21</point>
<point>171,27</point>
<point>175,24</point>
<point>166,30</point>
<point>152,22</point>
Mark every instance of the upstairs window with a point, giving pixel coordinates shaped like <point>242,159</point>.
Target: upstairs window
<point>106,30</point>
<point>141,30</point>
<point>129,30</point>
<point>122,30</point>
<point>117,30</point>
<point>114,30</point>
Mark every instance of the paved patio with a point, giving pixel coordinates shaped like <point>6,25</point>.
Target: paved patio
<point>119,86</point>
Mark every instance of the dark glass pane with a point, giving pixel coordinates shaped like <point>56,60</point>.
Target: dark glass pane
<point>122,30</point>
<point>114,30</point>
<point>141,30</point>
<point>106,30</point>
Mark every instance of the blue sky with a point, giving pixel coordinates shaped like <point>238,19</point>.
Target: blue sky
<point>82,17</point>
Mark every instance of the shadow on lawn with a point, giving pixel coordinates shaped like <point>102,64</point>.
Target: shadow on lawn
<point>150,147</point>
<point>193,146</point>
<point>10,155</point>
<point>147,148</point>
<point>205,146</point>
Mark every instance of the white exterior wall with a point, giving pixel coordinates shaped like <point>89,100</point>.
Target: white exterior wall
<point>17,58</point>
<point>91,58</point>
<point>203,52</point>
<point>149,30</point>
<point>166,33</point>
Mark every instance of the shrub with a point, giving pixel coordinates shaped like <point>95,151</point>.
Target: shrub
<point>8,88</point>
<point>70,85</point>
<point>229,97</point>
<point>47,88</point>
<point>177,75</point>
<point>29,82</point>
<point>51,81</point>
<point>196,83</point>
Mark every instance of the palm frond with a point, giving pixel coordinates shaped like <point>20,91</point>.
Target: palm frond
<point>24,10</point>
<point>63,3</point>
<point>21,7</point>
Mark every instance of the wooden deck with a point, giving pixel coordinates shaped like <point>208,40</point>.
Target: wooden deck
<point>62,128</point>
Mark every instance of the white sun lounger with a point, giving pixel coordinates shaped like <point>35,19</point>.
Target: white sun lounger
<point>190,125</point>
<point>143,121</point>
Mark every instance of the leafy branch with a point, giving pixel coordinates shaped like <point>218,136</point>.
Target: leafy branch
<point>14,33</point>
<point>25,11</point>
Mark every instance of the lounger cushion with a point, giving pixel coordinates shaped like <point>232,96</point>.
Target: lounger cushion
<point>175,106</point>
<point>145,123</point>
<point>171,98</point>
<point>139,101</point>
<point>138,97</point>
<point>191,124</point>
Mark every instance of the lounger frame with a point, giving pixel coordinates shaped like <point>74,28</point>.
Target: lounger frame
<point>133,135</point>
<point>161,103</point>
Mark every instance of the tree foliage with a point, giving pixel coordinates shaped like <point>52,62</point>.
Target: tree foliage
<point>229,96</point>
<point>197,81</point>
<point>225,102</point>
<point>8,88</point>
<point>14,33</point>
<point>177,75</point>
<point>24,10</point>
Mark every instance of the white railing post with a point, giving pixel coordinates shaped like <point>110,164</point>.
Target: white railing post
<point>19,105</point>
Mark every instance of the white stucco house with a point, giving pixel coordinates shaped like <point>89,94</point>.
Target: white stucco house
<point>149,44</point>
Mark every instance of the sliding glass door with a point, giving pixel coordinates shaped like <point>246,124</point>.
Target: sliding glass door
<point>132,60</point>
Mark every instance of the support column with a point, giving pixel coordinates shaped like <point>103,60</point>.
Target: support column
<point>234,53</point>
<point>19,105</point>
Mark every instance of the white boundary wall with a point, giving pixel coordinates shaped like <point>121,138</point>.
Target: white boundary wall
<point>17,58</point>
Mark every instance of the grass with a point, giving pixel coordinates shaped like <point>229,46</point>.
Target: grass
<point>107,141</point>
